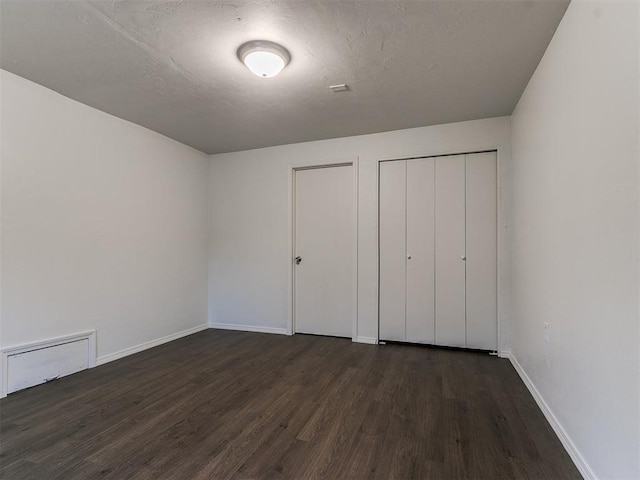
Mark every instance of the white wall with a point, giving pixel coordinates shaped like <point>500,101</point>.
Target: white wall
<point>250,213</point>
<point>104,224</point>
<point>576,243</point>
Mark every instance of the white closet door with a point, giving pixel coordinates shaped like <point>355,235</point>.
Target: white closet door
<point>450,251</point>
<point>481,251</point>
<point>323,241</point>
<point>420,250</point>
<point>392,228</point>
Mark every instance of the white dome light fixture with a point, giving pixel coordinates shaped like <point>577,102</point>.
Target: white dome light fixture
<point>263,58</point>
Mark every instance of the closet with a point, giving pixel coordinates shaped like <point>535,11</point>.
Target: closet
<point>438,250</point>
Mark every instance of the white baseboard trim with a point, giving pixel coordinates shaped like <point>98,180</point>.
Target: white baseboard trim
<point>369,340</point>
<point>504,354</point>
<point>248,328</point>
<point>146,345</point>
<point>572,450</point>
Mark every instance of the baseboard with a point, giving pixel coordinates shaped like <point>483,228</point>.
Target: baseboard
<point>568,444</point>
<point>504,354</point>
<point>248,328</point>
<point>146,345</point>
<point>369,340</point>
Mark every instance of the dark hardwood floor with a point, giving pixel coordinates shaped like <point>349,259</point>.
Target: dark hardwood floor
<point>221,404</point>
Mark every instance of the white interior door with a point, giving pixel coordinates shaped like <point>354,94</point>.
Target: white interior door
<point>450,329</point>
<point>438,250</point>
<point>392,237</point>
<point>420,301</point>
<point>323,268</point>
<point>482,309</point>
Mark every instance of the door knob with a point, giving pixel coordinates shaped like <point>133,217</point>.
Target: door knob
<point>408,257</point>
<point>463,258</point>
<point>298,260</point>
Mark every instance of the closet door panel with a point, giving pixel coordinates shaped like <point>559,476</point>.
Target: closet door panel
<point>392,237</point>
<point>450,251</point>
<point>481,199</point>
<point>420,250</point>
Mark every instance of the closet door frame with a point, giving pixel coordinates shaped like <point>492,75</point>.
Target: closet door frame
<point>308,165</point>
<point>499,219</point>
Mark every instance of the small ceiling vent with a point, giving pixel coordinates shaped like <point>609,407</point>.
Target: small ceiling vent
<point>342,87</point>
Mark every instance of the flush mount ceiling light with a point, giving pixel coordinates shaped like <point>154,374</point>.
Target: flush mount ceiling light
<point>263,58</point>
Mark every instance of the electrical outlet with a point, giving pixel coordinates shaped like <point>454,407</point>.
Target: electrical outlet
<point>546,332</point>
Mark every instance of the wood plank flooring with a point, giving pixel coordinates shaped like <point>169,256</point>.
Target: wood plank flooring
<point>235,405</point>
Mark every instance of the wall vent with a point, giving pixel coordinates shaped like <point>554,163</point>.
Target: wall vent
<point>31,364</point>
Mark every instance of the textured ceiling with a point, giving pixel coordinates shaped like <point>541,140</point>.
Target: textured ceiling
<point>172,67</point>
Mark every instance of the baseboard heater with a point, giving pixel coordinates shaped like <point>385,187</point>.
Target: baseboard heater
<point>31,364</point>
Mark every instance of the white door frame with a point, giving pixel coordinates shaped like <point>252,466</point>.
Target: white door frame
<point>500,219</point>
<point>292,232</point>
